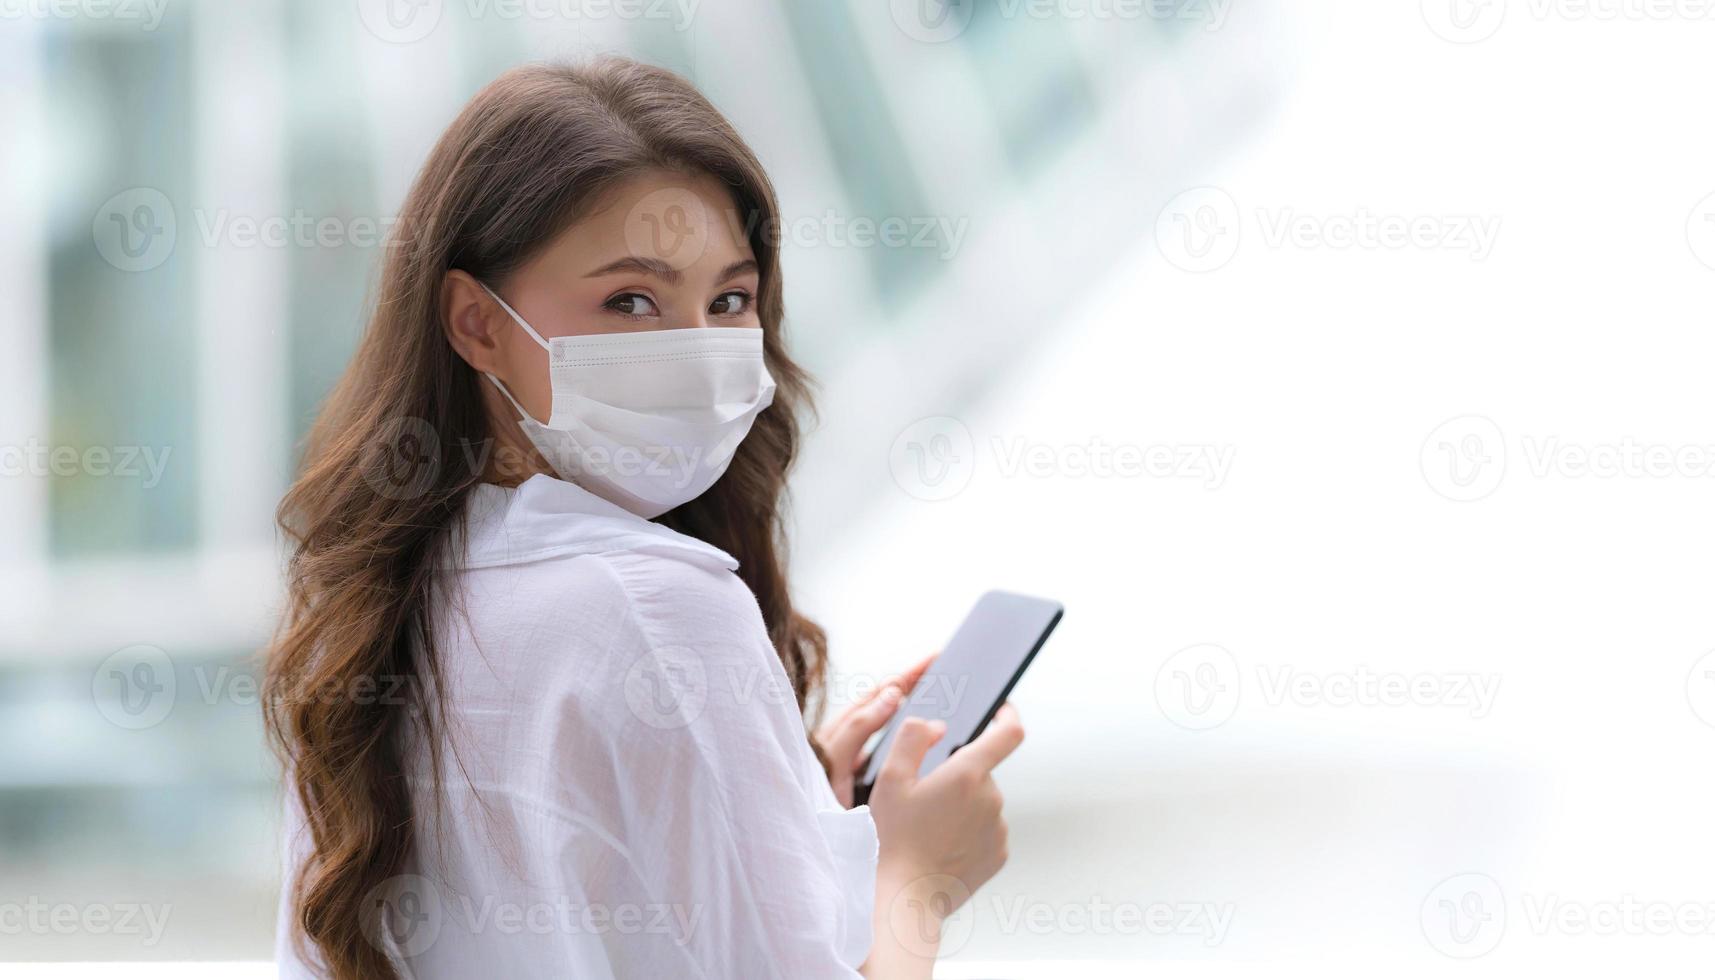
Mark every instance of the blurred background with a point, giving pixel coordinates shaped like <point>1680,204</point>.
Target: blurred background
<point>1343,368</point>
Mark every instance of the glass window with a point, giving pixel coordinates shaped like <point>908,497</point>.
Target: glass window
<point>122,353</point>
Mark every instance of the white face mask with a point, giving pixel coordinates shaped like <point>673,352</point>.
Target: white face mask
<point>651,419</point>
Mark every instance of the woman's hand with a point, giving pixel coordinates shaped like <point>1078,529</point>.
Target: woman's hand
<point>843,738</point>
<point>942,837</point>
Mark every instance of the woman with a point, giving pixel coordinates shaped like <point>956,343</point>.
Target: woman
<point>541,686</point>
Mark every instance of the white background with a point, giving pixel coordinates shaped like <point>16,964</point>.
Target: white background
<point>1330,547</point>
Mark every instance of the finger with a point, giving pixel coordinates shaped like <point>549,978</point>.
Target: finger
<point>912,743</point>
<point>1005,732</point>
<point>908,679</point>
<point>860,722</point>
<point>872,694</point>
<point>903,682</point>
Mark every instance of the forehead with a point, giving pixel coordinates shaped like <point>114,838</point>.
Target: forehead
<point>686,220</point>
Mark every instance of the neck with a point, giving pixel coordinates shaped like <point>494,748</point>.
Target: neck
<point>510,459</point>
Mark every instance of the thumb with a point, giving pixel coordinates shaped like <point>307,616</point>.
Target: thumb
<point>913,742</point>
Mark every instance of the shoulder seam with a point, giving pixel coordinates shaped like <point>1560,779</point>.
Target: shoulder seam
<point>631,612</point>
<point>724,806</point>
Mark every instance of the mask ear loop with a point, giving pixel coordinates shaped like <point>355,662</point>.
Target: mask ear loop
<point>516,318</point>
<point>517,407</point>
<point>533,336</point>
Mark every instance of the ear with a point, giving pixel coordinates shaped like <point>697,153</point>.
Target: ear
<point>473,321</point>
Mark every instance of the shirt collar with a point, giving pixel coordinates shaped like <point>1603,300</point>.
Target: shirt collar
<point>547,518</point>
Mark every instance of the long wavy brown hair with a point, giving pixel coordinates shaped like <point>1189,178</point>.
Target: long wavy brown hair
<point>529,154</point>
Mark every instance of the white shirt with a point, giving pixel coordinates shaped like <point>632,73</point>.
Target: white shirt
<point>627,787</point>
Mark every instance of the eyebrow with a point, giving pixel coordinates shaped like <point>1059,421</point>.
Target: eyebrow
<point>661,270</point>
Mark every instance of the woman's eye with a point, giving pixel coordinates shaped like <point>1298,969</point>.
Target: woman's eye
<point>633,304</point>
<point>730,304</point>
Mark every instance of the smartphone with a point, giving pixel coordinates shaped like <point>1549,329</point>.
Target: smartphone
<point>971,677</point>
